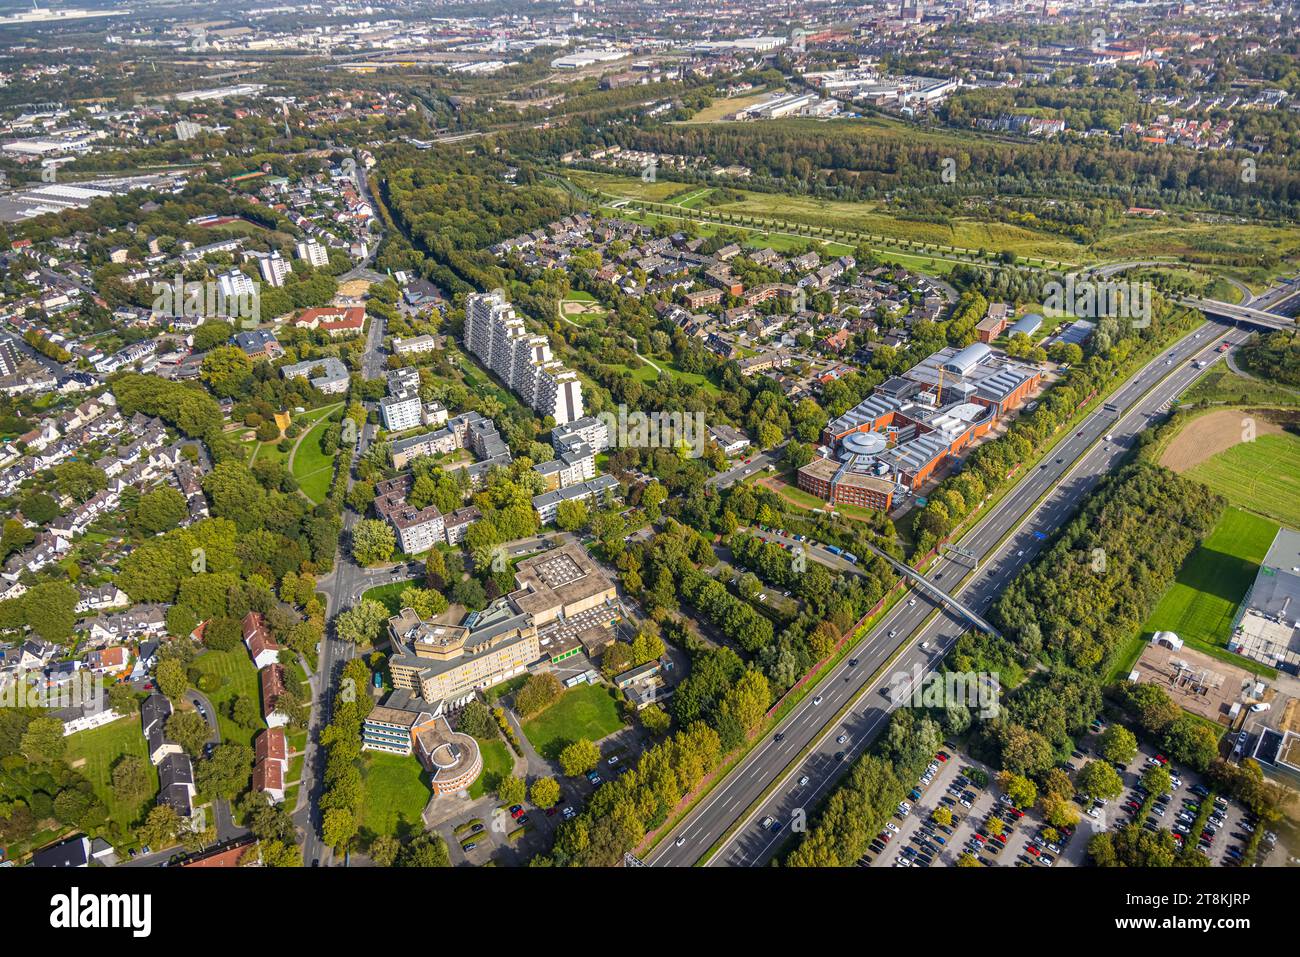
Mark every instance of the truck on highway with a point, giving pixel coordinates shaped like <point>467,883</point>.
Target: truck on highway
<point>850,557</point>
<point>834,549</point>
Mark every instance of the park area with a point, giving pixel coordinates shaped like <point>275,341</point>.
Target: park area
<point>235,676</point>
<point>94,753</point>
<point>584,711</point>
<point>311,465</point>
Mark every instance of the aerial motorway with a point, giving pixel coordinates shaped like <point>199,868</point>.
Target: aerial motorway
<point>796,766</point>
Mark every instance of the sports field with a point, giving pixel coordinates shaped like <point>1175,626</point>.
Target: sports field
<point>1262,476</point>
<point>1200,605</point>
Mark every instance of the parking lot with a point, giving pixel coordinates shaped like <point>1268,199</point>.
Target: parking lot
<point>985,824</point>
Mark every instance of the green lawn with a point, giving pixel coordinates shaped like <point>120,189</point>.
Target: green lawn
<point>313,469</point>
<point>585,711</point>
<point>95,752</point>
<point>395,794</point>
<point>238,677</point>
<point>497,764</point>
<point>1262,476</point>
<point>389,595</point>
<point>1201,603</point>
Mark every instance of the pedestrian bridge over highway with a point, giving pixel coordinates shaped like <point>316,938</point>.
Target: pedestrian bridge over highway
<point>937,594</point>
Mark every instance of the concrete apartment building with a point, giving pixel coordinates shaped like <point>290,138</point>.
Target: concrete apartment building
<point>497,336</point>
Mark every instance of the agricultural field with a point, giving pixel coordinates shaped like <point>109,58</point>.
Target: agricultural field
<point>715,111</point>
<point>1212,245</point>
<point>1262,476</point>
<point>1200,605</point>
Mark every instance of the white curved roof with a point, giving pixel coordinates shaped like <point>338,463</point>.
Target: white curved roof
<point>965,361</point>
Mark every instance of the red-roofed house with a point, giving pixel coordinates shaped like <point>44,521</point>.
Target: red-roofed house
<point>272,689</point>
<point>108,659</point>
<point>272,762</point>
<point>336,320</point>
<point>261,646</point>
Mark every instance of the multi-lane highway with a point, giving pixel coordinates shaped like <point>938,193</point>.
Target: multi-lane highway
<point>1062,481</point>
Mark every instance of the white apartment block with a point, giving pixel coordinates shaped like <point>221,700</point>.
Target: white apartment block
<point>401,411</point>
<point>235,283</point>
<point>524,362</point>
<point>273,267</point>
<point>424,343</point>
<point>588,430</point>
<point>313,253</point>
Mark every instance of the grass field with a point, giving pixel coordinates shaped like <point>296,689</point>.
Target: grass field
<point>313,469</point>
<point>1262,476</point>
<point>95,752</point>
<point>1200,605</point>
<point>395,794</point>
<point>389,595</point>
<point>585,711</point>
<point>238,677</point>
<point>497,764</point>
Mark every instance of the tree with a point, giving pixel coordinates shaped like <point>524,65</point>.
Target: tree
<point>50,609</point>
<point>1020,789</point>
<point>579,757</point>
<point>363,623</point>
<point>1100,780</point>
<point>130,778</point>
<point>1156,780</point>
<point>373,542</point>
<point>654,719</point>
<point>571,515</point>
<point>942,816</point>
<point>79,479</point>
<point>159,510</point>
<point>384,850</point>
<point>539,692</point>
<point>43,740</point>
<point>189,730</point>
<point>427,850</point>
<point>545,792</point>
<point>512,790</point>
<point>171,678</point>
<point>338,827</point>
<point>476,720</point>
<point>227,772</point>
<point>1117,744</point>
<point>225,369</point>
<point>161,826</point>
